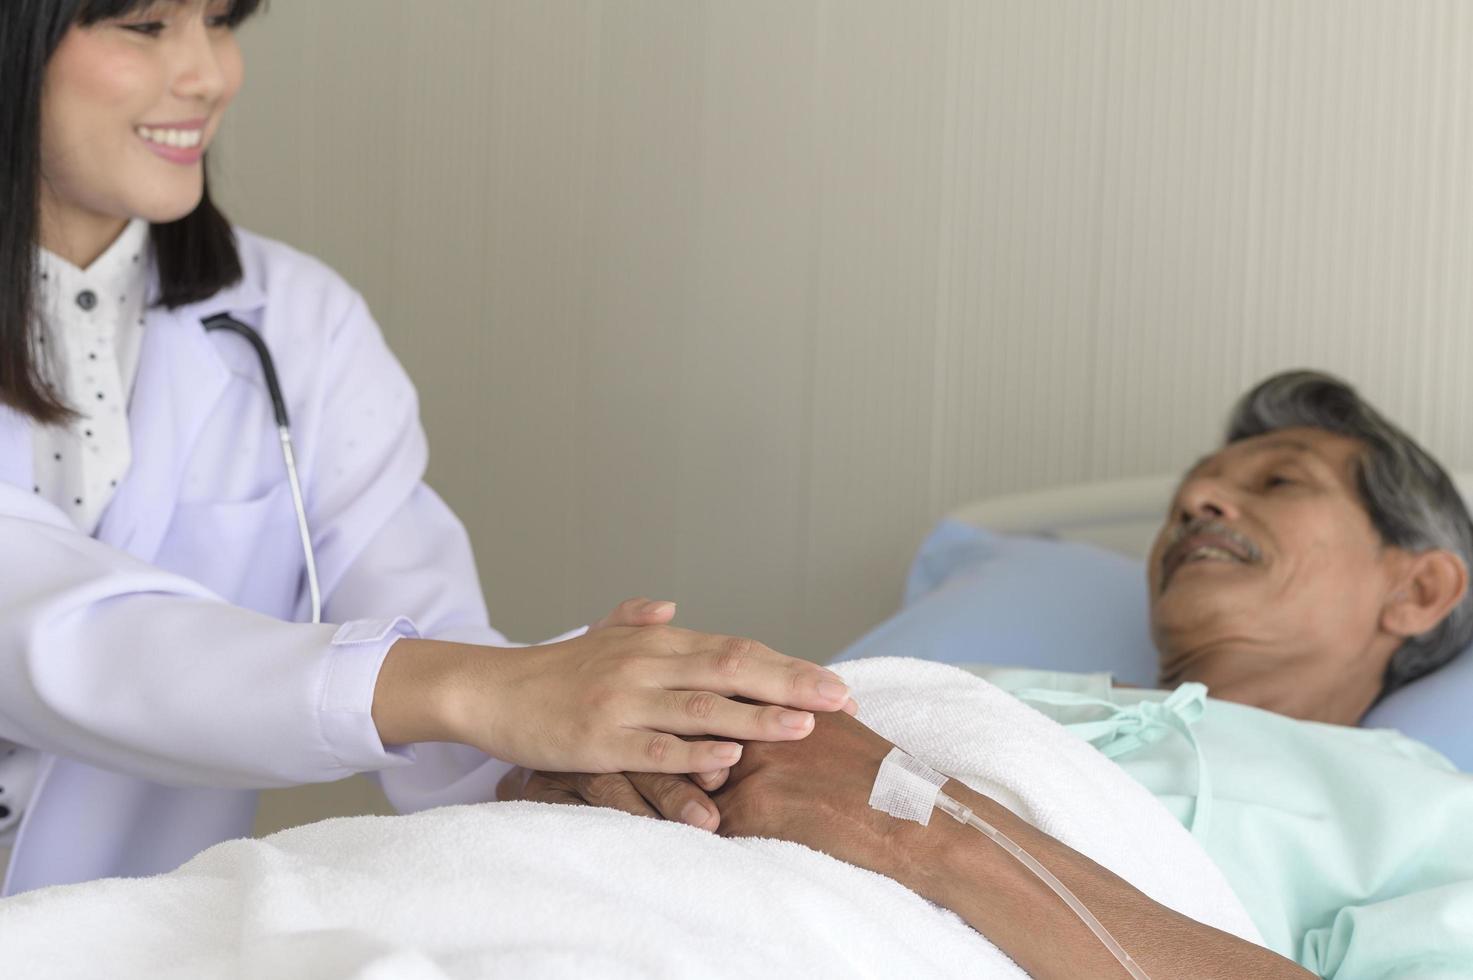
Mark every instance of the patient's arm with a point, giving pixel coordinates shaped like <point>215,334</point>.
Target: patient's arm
<point>816,792</point>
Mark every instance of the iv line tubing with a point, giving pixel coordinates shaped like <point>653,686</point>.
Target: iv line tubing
<point>964,814</point>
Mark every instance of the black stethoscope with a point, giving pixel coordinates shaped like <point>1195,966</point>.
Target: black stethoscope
<point>224,321</point>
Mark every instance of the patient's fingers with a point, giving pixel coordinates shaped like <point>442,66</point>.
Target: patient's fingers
<point>711,781</point>
<point>541,787</point>
<point>612,790</point>
<point>655,795</point>
<point>677,798</point>
<point>511,785</point>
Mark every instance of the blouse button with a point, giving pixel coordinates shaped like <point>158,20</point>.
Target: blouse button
<point>87,299</point>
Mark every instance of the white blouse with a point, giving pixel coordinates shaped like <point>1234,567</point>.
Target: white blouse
<point>92,330</point>
<point>91,333</point>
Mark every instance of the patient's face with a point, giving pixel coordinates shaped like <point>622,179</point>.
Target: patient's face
<point>1268,567</point>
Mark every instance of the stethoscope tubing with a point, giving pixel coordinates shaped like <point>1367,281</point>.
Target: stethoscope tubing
<point>223,321</point>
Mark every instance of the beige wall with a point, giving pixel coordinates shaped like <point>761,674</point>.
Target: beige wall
<point>727,301</point>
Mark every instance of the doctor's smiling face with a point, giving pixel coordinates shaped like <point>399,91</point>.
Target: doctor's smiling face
<point>129,106</point>
<point>1276,583</point>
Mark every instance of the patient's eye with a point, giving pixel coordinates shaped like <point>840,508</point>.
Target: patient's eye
<point>1276,480</point>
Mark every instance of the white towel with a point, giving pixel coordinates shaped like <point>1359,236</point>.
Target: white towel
<point>1000,747</point>
<point>532,890</point>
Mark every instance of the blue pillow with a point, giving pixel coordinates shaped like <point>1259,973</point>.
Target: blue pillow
<point>976,596</point>
<point>1434,709</point>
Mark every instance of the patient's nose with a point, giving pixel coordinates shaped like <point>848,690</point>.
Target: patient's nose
<point>1204,497</point>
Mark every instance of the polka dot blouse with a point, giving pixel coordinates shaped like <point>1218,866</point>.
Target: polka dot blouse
<point>92,332</point>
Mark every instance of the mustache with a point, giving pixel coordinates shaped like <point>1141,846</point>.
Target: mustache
<point>1215,527</point>
<point>1171,558</point>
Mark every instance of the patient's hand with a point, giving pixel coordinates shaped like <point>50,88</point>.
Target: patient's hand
<point>816,792</point>
<point>679,798</point>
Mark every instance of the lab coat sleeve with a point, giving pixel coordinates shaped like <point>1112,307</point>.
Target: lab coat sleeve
<point>389,545</point>
<point>109,660</point>
<point>420,562</point>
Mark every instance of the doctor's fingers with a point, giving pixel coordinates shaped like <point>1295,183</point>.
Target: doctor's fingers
<point>638,612</point>
<point>704,713</point>
<point>657,751</point>
<point>737,666</point>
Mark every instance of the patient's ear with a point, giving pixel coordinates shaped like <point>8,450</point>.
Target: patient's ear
<point>1433,583</point>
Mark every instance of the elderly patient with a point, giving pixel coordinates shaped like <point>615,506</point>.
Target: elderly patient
<point>1315,562</point>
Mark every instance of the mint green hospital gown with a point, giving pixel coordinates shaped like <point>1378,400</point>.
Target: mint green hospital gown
<point>1351,848</point>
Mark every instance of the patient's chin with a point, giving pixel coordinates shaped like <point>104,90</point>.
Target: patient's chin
<point>1195,608</point>
<point>1208,588</point>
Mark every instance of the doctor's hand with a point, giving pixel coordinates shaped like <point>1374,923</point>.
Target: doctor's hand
<point>638,612</point>
<point>619,698</point>
<point>677,798</point>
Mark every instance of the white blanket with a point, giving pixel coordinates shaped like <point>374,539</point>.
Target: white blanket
<point>517,890</point>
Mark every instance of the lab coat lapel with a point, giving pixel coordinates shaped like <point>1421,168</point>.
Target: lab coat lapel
<point>16,465</point>
<point>181,376</point>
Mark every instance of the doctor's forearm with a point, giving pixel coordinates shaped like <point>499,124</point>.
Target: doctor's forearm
<point>415,696</point>
<point>961,869</point>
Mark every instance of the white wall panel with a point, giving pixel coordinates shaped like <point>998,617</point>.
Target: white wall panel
<point>727,301</point>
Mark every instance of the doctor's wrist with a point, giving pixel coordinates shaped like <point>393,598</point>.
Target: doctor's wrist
<point>414,697</point>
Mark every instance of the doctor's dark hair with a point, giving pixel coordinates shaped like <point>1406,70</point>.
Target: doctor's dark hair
<point>196,256</point>
<point>1411,501</point>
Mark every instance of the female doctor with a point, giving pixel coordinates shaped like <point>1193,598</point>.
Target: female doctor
<point>155,669</point>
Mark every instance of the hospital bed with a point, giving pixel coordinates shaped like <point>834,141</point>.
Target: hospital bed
<point>1049,579</point>
<point>1055,579</point>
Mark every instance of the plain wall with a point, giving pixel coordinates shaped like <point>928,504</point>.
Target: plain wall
<point>727,302</point>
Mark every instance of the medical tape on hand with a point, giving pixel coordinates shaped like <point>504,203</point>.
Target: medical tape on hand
<point>906,788</point>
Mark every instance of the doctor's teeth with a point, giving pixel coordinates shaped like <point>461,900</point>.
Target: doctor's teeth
<point>183,139</point>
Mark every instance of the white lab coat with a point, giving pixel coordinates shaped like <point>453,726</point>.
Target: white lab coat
<point>158,667</point>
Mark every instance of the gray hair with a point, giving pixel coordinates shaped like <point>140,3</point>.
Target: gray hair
<point>1411,501</point>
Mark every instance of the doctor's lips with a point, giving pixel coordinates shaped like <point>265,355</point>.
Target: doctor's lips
<point>181,142</point>
<point>1205,540</point>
